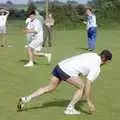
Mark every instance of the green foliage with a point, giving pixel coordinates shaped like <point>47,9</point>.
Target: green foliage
<point>68,16</point>
<point>106,10</point>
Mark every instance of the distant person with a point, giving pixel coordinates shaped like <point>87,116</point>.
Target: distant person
<point>3,19</point>
<point>91,29</point>
<point>27,21</point>
<point>70,70</point>
<point>35,31</point>
<point>49,22</point>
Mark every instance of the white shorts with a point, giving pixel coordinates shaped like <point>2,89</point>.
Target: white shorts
<point>2,30</point>
<point>36,43</point>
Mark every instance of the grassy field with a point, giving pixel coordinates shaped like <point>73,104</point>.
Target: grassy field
<point>16,81</point>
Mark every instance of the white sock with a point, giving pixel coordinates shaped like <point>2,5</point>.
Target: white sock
<point>70,106</point>
<point>28,98</point>
<point>30,61</point>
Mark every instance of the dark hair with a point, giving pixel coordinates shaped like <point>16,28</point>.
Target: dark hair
<point>89,8</point>
<point>106,54</point>
<point>32,13</point>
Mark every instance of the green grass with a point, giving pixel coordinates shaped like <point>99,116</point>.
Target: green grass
<point>16,81</point>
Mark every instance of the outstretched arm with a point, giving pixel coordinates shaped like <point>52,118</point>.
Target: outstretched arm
<point>88,92</point>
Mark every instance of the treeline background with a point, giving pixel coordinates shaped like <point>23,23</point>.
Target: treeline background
<point>72,14</point>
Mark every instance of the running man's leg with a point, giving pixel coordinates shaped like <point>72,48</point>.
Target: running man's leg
<point>41,91</point>
<point>79,84</point>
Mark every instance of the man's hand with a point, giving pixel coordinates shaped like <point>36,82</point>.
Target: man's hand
<point>92,107</point>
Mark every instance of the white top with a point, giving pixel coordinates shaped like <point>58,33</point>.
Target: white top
<point>27,21</point>
<point>91,22</point>
<point>87,64</point>
<point>36,25</point>
<point>3,19</point>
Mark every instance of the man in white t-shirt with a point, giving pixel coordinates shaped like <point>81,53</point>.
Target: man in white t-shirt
<point>3,19</point>
<point>35,31</point>
<point>69,70</point>
<point>27,21</point>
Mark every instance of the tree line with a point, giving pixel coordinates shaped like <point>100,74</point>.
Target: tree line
<point>72,15</point>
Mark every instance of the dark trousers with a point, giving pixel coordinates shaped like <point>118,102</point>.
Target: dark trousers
<point>92,33</point>
<point>48,35</point>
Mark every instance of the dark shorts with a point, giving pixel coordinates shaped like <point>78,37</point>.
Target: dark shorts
<point>57,72</point>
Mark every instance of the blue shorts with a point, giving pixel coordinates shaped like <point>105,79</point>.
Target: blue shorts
<point>57,72</point>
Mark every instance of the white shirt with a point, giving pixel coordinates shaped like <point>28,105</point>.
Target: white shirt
<point>36,25</point>
<point>3,19</point>
<point>91,22</point>
<point>27,21</point>
<point>87,64</point>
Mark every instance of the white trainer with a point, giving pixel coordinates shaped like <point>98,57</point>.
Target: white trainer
<point>21,103</point>
<point>29,64</point>
<point>26,46</point>
<point>49,55</point>
<point>71,111</point>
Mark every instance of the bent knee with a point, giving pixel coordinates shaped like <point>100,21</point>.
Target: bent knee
<point>81,86</point>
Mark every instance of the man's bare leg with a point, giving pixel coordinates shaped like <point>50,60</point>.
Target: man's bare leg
<point>75,81</point>
<point>41,91</point>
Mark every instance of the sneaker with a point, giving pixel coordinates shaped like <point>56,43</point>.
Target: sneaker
<point>90,49</point>
<point>71,111</point>
<point>29,64</point>
<point>49,55</point>
<point>26,46</point>
<point>21,103</point>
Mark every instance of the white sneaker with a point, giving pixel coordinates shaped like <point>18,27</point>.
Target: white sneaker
<point>26,46</point>
<point>71,111</point>
<point>29,64</point>
<point>49,55</point>
<point>21,103</point>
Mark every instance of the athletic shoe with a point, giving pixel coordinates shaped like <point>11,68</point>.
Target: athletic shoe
<point>26,46</point>
<point>21,103</point>
<point>71,111</point>
<point>29,64</point>
<point>49,55</point>
<point>90,49</point>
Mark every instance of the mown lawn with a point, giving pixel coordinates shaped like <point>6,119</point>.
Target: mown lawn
<point>16,81</point>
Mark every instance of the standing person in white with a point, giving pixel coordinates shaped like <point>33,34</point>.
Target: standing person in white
<point>69,70</point>
<point>35,30</point>
<point>3,19</point>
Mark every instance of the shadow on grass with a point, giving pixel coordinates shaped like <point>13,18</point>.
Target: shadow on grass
<point>26,61</point>
<point>58,103</point>
<point>86,49</point>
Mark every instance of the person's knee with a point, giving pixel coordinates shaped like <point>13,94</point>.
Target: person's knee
<point>81,86</point>
<point>52,87</point>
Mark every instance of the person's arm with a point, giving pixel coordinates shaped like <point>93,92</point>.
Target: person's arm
<point>93,74</point>
<point>36,29</point>
<point>88,92</point>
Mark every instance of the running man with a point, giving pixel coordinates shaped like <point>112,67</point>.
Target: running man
<point>69,70</point>
<point>3,19</point>
<point>35,31</point>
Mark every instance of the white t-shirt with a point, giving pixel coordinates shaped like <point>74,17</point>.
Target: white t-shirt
<point>3,19</point>
<point>91,22</point>
<point>87,64</point>
<point>27,21</point>
<point>37,26</point>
